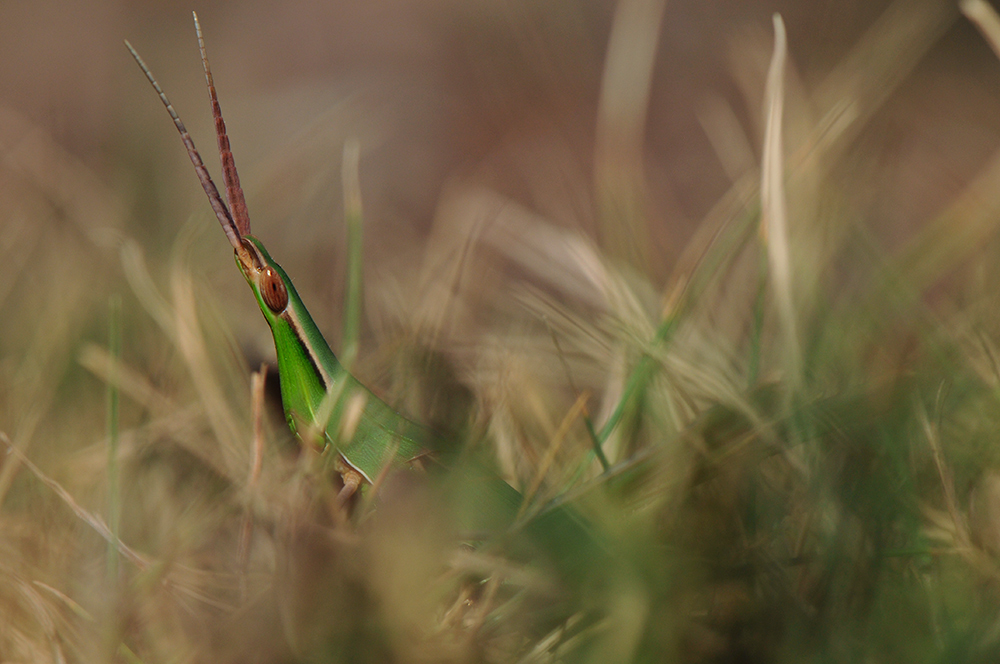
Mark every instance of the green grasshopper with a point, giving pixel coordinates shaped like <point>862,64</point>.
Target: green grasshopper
<point>368,437</point>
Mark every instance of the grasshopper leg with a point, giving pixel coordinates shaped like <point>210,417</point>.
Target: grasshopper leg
<point>352,480</point>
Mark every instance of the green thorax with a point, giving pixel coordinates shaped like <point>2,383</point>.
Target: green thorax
<point>366,431</point>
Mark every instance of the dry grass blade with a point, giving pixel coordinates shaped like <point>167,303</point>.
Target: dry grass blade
<point>774,219</point>
<point>142,284</point>
<point>191,342</point>
<point>785,482</point>
<point>257,381</point>
<point>730,142</point>
<point>621,122</point>
<point>886,54</point>
<point>846,103</point>
<point>554,445</point>
<point>65,599</point>
<point>92,520</point>
<point>947,481</point>
<point>29,150</point>
<point>970,219</point>
<point>982,14</point>
<point>130,381</point>
<point>183,581</point>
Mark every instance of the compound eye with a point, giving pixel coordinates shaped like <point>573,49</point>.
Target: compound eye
<point>273,291</point>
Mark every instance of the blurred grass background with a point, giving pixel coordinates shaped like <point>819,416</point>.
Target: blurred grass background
<point>544,184</point>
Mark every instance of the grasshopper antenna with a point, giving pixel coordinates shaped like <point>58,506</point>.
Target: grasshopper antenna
<point>234,192</point>
<point>232,230</point>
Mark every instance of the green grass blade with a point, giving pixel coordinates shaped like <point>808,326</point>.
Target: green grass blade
<point>114,489</point>
<point>355,252</point>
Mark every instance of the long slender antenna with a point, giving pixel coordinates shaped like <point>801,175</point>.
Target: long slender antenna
<point>232,230</point>
<point>234,193</point>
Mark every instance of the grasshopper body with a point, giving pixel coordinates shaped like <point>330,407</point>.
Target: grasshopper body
<point>324,404</point>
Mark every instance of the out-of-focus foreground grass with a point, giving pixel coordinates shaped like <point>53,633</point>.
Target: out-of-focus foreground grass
<point>806,382</point>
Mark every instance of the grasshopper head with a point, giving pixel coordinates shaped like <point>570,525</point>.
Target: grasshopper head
<point>265,277</point>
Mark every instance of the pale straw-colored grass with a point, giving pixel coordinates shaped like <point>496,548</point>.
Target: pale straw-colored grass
<point>799,424</point>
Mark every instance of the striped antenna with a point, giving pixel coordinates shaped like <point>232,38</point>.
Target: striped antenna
<point>234,193</point>
<point>232,230</point>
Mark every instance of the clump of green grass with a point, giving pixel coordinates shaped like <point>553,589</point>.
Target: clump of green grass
<point>783,453</point>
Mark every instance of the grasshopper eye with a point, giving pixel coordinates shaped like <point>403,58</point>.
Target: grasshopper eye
<point>273,291</point>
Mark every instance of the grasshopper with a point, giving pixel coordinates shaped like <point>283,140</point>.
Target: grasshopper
<point>314,383</point>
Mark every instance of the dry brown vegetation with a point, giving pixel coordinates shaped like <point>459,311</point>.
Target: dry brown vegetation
<point>776,272</point>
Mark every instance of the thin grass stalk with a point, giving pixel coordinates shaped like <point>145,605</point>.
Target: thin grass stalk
<point>757,324</point>
<point>257,381</point>
<point>332,406</point>
<point>644,370</point>
<point>355,252</point>
<point>587,421</point>
<point>114,482</point>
